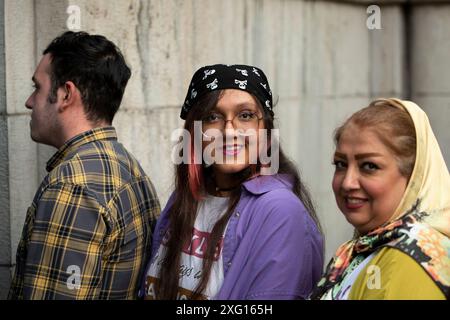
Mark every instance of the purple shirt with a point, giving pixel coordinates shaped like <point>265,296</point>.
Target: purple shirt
<point>272,248</point>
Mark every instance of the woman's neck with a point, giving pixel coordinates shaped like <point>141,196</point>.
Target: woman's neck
<point>223,184</point>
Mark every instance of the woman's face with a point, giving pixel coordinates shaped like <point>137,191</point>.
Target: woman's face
<point>367,182</point>
<point>234,147</point>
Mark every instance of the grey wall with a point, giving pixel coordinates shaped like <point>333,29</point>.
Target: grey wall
<point>322,62</point>
<point>430,69</point>
<point>5,236</point>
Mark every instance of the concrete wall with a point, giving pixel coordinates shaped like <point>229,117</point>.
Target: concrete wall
<point>322,62</point>
<point>5,248</point>
<point>430,70</point>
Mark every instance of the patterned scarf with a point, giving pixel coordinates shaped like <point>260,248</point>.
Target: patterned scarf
<point>220,77</point>
<point>410,234</point>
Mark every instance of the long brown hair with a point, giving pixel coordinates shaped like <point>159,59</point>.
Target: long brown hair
<point>183,212</point>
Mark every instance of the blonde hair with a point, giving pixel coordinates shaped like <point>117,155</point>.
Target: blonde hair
<point>394,127</point>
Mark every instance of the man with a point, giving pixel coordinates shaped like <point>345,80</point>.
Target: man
<point>87,234</point>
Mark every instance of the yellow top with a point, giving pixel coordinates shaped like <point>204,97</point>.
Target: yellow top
<point>398,277</point>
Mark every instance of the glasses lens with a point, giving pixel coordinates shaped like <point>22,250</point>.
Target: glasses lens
<point>246,120</point>
<point>213,121</point>
<point>243,120</point>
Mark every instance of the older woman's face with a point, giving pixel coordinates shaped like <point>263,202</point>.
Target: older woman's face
<point>367,182</point>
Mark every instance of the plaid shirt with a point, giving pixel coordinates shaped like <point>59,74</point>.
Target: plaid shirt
<point>87,234</point>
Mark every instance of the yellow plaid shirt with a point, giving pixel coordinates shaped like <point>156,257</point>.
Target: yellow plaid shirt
<point>87,234</point>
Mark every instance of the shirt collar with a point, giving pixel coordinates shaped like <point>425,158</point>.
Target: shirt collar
<point>103,133</point>
<point>263,184</point>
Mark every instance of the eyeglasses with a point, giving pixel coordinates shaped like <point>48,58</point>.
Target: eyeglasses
<point>244,120</point>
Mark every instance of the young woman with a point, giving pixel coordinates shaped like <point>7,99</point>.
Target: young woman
<point>392,185</point>
<point>230,230</point>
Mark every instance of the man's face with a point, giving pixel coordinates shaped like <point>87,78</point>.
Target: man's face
<point>44,116</point>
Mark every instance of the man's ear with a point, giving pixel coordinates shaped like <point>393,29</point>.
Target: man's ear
<point>68,95</point>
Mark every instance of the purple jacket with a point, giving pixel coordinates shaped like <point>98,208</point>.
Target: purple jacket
<point>272,248</point>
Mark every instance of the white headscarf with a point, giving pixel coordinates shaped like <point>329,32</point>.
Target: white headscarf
<point>430,179</point>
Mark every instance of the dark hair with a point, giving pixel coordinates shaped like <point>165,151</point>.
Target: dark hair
<point>182,214</point>
<point>97,68</point>
<point>393,125</point>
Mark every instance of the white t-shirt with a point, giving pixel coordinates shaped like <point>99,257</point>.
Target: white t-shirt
<point>191,265</point>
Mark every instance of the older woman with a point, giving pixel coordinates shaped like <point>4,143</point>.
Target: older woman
<point>393,186</point>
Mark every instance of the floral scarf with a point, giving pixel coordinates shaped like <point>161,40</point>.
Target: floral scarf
<point>409,234</point>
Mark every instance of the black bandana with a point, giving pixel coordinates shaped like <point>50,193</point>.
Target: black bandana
<point>220,76</point>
